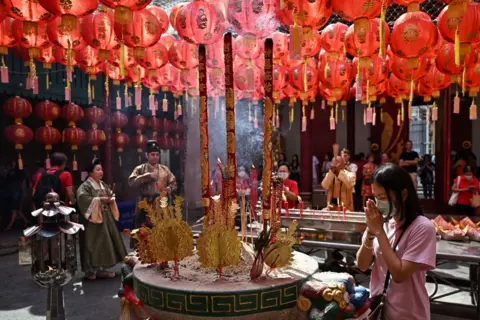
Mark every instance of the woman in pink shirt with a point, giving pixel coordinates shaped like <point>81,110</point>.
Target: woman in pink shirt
<point>395,219</point>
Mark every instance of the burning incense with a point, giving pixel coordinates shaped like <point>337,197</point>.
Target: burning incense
<point>203,118</point>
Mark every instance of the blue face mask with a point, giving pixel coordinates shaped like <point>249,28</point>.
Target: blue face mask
<point>384,207</point>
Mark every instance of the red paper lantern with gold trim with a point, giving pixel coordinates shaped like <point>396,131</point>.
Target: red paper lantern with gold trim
<point>468,25</point>
<point>88,58</point>
<point>364,42</point>
<point>256,18</point>
<point>304,13</point>
<point>140,141</point>
<point>98,32</point>
<point>335,75</point>
<point>47,111</point>
<point>357,11</point>
<point>248,47</point>
<point>423,91</point>
<point>30,11</point>
<point>124,9</point>
<point>69,12</point>
<point>7,39</point>
<point>164,141</point>
<point>404,70</point>
<point>48,136</point>
<point>435,81</point>
<point>95,138</point>
<point>280,45</point>
<point>33,40</point>
<point>183,55</point>
<point>177,127</point>
<point>72,113</point>
<point>304,77</point>
<point>161,16</point>
<point>61,56</point>
<point>120,140</point>
<point>129,60</point>
<point>74,136</point>
<point>374,73</point>
<point>445,60</point>
<point>17,108</point>
<point>155,57</point>
<point>333,37</point>
<point>472,80</point>
<point>200,22</point>
<point>95,116</point>
<point>119,120</point>
<point>155,125</point>
<point>18,134</point>
<point>143,32</point>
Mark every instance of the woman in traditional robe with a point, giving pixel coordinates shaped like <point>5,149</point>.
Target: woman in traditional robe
<point>102,246</point>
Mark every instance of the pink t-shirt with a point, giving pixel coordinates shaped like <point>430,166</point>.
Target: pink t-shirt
<point>407,300</point>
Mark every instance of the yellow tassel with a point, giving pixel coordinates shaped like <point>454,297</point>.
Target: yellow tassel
<point>403,111</point>
<point>336,112</point>
<point>412,88</point>
<point>3,61</point>
<point>89,90</point>
<point>93,92</point>
<point>382,30</point>
<point>463,80</point>
<point>305,79</point>
<point>457,47</point>
<point>47,81</point>
<point>358,65</point>
<point>107,83</point>
<point>122,59</point>
<point>381,115</point>
<point>292,115</point>
<point>368,93</point>
<point>326,70</point>
<point>343,114</point>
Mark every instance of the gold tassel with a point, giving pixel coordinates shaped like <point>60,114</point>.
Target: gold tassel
<point>473,111</point>
<point>292,115</point>
<point>457,47</point>
<point>412,88</point>
<point>463,80</point>
<point>305,79</point>
<point>326,70</point>
<point>368,91</point>
<point>381,115</point>
<point>343,114</point>
<point>47,81</point>
<point>93,92</point>
<point>107,84</point>
<point>403,112</point>
<point>336,112</point>
<point>20,162</point>
<point>122,58</point>
<point>89,91</point>
<point>382,30</point>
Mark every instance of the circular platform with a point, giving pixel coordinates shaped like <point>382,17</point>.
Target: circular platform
<point>199,295</point>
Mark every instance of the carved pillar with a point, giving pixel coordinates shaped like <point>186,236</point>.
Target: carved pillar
<point>443,148</point>
<point>107,151</point>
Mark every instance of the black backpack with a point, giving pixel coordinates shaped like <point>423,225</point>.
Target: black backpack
<point>46,184</point>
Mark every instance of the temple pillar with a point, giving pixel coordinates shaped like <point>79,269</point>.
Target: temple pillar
<point>306,159</point>
<point>443,149</point>
<point>350,119</point>
<point>107,150</point>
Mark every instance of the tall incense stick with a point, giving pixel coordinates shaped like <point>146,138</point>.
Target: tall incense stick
<point>203,117</point>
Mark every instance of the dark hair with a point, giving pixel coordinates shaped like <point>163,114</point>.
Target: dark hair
<point>284,156</point>
<point>396,179</point>
<point>284,165</point>
<point>40,164</point>
<point>92,166</point>
<point>345,150</point>
<point>361,155</point>
<point>409,141</point>
<point>467,169</point>
<point>58,159</point>
<point>329,155</point>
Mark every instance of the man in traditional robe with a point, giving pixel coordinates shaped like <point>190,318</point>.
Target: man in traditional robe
<point>152,179</point>
<point>340,181</point>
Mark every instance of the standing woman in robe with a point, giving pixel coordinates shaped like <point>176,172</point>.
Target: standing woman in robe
<point>102,245</point>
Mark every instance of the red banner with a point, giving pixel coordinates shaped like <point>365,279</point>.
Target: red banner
<point>203,116</point>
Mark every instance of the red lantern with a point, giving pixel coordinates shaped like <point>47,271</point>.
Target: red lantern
<point>168,40</point>
<point>88,58</point>
<point>445,60</point>
<point>7,39</point>
<point>95,116</point>
<point>364,42</point>
<point>177,127</point>
<point>18,134</point>
<point>372,74</point>
<point>304,77</point>
<point>124,9</point>
<point>30,11</point>
<point>119,120</point>
<point>178,143</point>
<point>424,92</point>
<point>333,37</point>
<point>95,138</point>
<point>336,74</point>
<point>69,12</point>
<point>435,81</point>
<point>31,40</point>
<point>143,32</point>
<point>74,136</point>
<point>357,10</point>
<point>189,78</point>
<point>98,32</point>
<point>120,140</point>
<point>472,79</point>
<point>140,142</point>
<point>200,22</point>
<point>155,57</point>
<point>413,35</point>
<point>113,72</point>
<point>47,58</point>
<point>279,81</point>
<point>129,60</point>
<point>248,47</point>
<point>48,136</point>
<point>174,12</point>
<point>155,124</point>
<point>17,108</point>
<point>165,125</point>
<point>304,13</point>
<point>215,56</point>
<point>400,87</point>
<point>166,76</point>
<point>311,43</point>
<point>183,55</point>
<point>405,70</point>
<point>165,142</point>
<point>248,76</point>
<point>161,16</point>
<point>467,25</point>
<point>61,56</point>
<point>47,111</point>
<point>139,122</point>
<point>256,18</point>
<point>72,113</point>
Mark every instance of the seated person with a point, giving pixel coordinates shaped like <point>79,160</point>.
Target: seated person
<point>339,182</point>
<point>290,187</point>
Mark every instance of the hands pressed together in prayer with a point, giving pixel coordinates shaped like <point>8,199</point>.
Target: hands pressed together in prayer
<point>374,218</point>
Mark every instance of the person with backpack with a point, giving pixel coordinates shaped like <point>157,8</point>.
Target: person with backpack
<point>55,179</point>
<point>153,180</point>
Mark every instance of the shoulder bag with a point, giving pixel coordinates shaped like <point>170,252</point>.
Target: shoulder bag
<point>378,302</point>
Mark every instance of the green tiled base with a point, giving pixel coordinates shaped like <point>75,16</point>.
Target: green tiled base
<point>224,301</point>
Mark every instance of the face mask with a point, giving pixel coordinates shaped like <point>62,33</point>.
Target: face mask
<point>241,174</point>
<point>384,207</point>
<point>283,175</point>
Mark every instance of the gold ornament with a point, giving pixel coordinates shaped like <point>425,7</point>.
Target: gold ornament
<point>278,254</point>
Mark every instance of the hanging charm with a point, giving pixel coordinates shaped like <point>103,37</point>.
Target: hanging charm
<point>332,119</point>
<point>456,103</point>
<point>304,119</point>
<point>473,111</point>
<point>434,112</point>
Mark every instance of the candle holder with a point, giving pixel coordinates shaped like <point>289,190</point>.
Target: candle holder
<point>53,249</point>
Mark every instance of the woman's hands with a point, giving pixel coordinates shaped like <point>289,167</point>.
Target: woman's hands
<point>374,218</point>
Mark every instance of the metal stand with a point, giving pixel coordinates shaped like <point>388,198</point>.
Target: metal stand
<point>55,303</point>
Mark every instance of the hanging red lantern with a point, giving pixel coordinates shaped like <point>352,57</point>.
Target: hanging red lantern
<point>139,122</point>
<point>140,142</point>
<point>155,57</point>
<point>256,18</point>
<point>119,120</point>
<point>129,60</point>
<point>172,18</point>
<point>200,22</point>
<point>17,108</point>
<point>88,58</point>
<point>248,76</point>
<point>311,43</point>
<point>113,72</point>
<point>304,77</point>
<point>95,116</point>
<point>62,58</point>
<point>161,16</point>
<point>96,137</point>
<point>336,74</point>
<point>47,111</point>
<point>304,13</point>
<point>168,40</point>
<point>143,32</point>
<point>7,40</point>
<point>18,134</point>
<point>165,142</point>
<point>189,78</point>
<point>69,12</point>
<point>30,11</point>
<point>183,55</point>
<point>155,125</point>
<point>404,70</point>
<point>72,113</point>
<point>358,11</point>
<point>365,42</point>
<point>177,127</point>
<point>435,81</point>
<point>456,8</point>
<point>75,137</point>
<point>461,29</point>
<point>165,125</point>
<point>48,136</point>
<point>166,76</point>
<point>445,60</point>
<point>98,32</point>
<point>398,86</point>
<point>472,79</point>
<point>372,74</point>
<point>124,9</point>
<point>119,139</point>
<point>333,37</point>
<point>413,35</point>
<point>279,81</point>
<point>178,143</point>
<point>248,47</point>
<point>421,90</point>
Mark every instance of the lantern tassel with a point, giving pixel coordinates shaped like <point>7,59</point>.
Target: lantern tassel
<point>138,97</point>
<point>368,91</point>
<point>336,113</point>
<point>255,120</point>
<point>47,162</point>
<point>89,92</point>
<point>323,105</point>
<point>47,81</point>
<point>456,104</point>
<point>151,101</point>
<point>332,119</point>
<point>381,115</point>
<point>343,114</point>
<point>118,101</point>
<point>122,58</point>
<point>305,79</point>
<point>75,163</point>
<point>403,111</point>
<point>179,108</point>
<point>365,120</point>
<point>369,114</point>
<point>4,71</point>
<point>399,118</point>
<point>463,80</point>
<point>277,120</point>
<point>374,117</point>
<point>382,31</point>
<point>326,70</point>
<point>292,116</point>
<point>434,112</point>
<point>312,112</point>
<point>473,111</point>
<point>249,112</point>
<point>20,161</point>
<point>457,47</point>
<point>164,104</point>
<point>304,119</point>
<point>69,63</point>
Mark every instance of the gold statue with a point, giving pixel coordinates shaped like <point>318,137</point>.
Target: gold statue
<point>218,245</point>
<point>170,238</point>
